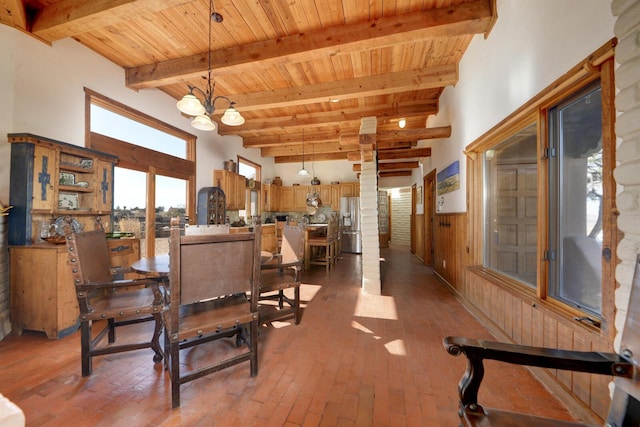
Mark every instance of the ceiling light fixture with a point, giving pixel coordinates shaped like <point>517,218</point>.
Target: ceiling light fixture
<point>303,171</point>
<point>191,105</point>
<point>402,123</point>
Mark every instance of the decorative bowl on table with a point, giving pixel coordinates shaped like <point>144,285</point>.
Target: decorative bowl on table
<point>55,240</point>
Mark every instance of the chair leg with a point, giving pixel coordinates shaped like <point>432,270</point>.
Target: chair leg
<point>155,341</point>
<point>254,346</point>
<point>174,351</point>
<point>85,347</point>
<point>296,305</point>
<point>281,299</point>
<point>112,330</point>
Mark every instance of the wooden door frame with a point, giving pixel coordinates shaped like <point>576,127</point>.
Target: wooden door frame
<point>428,207</point>
<point>412,233</point>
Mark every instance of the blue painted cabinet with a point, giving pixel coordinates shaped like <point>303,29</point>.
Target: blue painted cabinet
<point>52,179</point>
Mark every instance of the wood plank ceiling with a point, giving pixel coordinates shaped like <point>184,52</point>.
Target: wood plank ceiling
<point>317,66</point>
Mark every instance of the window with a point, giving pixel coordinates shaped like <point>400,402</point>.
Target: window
<point>250,170</point>
<point>155,176</point>
<point>576,214</point>
<point>546,217</point>
<point>511,210</point>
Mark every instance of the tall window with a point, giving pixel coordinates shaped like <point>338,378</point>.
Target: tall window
<point>576,200</point>
<point>155,176</point>
<point>251,171</point>
<point>547,212</point>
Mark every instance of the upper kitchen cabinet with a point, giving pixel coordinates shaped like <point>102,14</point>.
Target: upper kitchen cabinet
<point>234,187</point>
<point>350,189</point>
<point>54,179</point>
<point>270,197</point>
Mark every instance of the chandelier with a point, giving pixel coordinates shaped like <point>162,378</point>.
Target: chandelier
<point>191,105</point>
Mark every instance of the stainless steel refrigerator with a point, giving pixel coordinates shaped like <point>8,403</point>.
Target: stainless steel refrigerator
<point>350,225</point>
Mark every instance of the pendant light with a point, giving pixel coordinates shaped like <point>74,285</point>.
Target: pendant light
<point>191,105</point>
<point>303,171</point>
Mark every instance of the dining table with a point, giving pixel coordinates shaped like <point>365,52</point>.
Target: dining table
<point>159,264</point>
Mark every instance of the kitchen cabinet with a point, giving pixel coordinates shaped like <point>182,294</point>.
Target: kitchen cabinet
<point>234,187</point>
<point>43,297</point>
<point>53,179</point>
<point>286,199</point>
<point>335,197</point>
<point>325,195</point>
<point>350,189</point>
<point>268,241</point>
<point>300,197</point>
<point>270,197</point>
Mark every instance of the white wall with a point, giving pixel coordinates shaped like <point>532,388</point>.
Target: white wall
<point>533,43</point>
<point>43,94</point>
<point>326,171</point>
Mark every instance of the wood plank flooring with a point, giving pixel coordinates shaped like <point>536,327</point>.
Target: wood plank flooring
<point>355,360</point>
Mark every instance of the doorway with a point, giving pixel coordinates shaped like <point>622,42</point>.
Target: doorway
<point>429,186</point>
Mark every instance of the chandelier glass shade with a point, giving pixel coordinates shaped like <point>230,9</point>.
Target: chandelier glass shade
<point>202,110</point>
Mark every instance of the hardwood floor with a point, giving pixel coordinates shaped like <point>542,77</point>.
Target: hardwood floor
<point>355,360</point>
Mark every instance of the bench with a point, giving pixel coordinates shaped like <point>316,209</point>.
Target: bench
<point>623,368</point>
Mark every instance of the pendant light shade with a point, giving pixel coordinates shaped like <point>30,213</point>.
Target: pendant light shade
<point>232,117</point>
<point>203,122</point>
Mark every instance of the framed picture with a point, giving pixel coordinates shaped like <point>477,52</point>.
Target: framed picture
<point>67,178</point>
<point>68,201</point>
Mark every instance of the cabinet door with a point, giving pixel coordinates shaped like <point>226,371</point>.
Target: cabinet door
<point>123,253</point>
<point>103,186</point>
<point>241,191</point>
<point>300,197</point>
<point>222,179</point>
<point>347,190</point>
<point>286,199</point>
<point>325,195</point>
<point>335,197</point>
<point>270,197</point>
<point>45,175</point>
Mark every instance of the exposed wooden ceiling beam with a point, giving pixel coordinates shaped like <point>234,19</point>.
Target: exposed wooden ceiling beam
<point>385,140</point>
<point>467,18</point>
<point>404,81</point>
<point>311,151</point>
<point>321,157</point>
<point>13,14</point>
<point>415,110</point>
<point>404,154</point>
<point>394,173</point>
<point>414,134</point>
<point>357,167</point>
<point>400,135</point>
<point>70,17</point>
<point>354,156</point>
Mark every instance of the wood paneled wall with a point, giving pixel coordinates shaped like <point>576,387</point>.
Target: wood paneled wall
<point>419,237</point>
<point>514,317</point>
<point>450,248</point>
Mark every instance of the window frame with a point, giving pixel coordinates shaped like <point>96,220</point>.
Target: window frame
<point>599,65</point>
<point>151,162</point>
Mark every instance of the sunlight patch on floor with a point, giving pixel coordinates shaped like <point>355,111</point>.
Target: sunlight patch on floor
<point>376,306</point>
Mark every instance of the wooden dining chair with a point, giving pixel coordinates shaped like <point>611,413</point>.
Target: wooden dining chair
<point>321,244</point>
<point>211,279</point>
<point>623,368</point>
<point>283,272</point>
<point>102,297</point>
